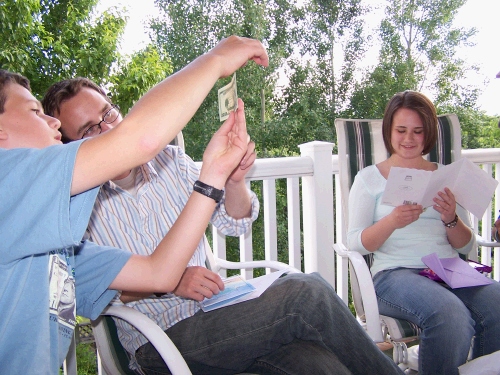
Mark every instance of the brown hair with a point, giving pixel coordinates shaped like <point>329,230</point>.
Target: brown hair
<point>6,78</point>
<point>426,111</point>
<point>64,90</point>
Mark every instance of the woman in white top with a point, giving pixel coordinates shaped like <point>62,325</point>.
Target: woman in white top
<point>400,236</point>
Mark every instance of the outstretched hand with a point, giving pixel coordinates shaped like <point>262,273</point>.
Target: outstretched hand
<point>226,150</point>
<point>248,159</point>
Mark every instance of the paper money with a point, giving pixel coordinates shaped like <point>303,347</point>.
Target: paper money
<point>228,99</point>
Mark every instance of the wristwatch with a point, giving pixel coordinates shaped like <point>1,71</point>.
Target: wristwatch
<point>451,224</point>
<point>208,191</point>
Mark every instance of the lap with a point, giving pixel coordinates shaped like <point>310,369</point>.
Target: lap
<point>251,329</point>
<point>404,293</point>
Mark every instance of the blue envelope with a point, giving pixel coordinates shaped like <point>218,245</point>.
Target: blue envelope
<point>455,272</point>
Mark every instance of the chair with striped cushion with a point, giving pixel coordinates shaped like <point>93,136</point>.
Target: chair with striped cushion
<point>360,144</point>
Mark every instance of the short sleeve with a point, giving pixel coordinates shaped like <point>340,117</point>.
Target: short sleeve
<point>37,213</point>
<point>96,267</point>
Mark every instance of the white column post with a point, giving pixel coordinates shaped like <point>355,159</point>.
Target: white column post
<point>317,203</point>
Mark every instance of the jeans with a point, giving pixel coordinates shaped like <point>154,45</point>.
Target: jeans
<point>298,325</point>
<point>449,318</point>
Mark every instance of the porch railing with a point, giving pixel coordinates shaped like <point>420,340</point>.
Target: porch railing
<point>316,211</point>
<point>320,212</point>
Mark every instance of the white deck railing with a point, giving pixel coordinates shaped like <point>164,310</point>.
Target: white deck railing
<point>318,170</point>
<point>319,214</point>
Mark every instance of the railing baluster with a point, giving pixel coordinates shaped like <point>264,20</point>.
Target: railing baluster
<point>293,209</point>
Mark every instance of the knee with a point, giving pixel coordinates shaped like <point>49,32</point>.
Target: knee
<point>310,290</point>
<point>311,283</point>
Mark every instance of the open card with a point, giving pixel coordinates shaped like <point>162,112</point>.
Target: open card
<point>234,287</point>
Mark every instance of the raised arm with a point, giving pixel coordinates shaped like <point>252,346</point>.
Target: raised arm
<point>160,114</point>
<point>162,270</point>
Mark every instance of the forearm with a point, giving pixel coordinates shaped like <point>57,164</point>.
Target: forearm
<point>160,114</point>
<point>162,270</point>
<point>237,200</point>
<point>460,235</point>
<point>375,235</point>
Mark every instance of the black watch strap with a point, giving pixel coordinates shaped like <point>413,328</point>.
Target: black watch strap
<point>208,191</point>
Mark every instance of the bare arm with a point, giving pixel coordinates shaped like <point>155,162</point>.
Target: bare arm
<point>237,199</point>
<point>375,235</point>
<point>160,114</point>
<point>446,205</point>
<point>162,270</point>
<point>196,283</point>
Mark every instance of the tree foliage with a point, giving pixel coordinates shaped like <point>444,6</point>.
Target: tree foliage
<point>418,52</point>
<point>137,75</point>
<point>51,40</point>
<point>187,29</point>
<point>278,117</point>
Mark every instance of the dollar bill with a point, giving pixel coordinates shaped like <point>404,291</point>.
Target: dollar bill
<point>228,99</point>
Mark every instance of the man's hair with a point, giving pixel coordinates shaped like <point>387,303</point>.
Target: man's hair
<point>6,78</point>
<point>64,90</point>
<point>426,111</point>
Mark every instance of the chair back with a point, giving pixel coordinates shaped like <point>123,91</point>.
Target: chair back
<point>360,144</point>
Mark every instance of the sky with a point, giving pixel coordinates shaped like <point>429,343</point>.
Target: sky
<point>481,14</point>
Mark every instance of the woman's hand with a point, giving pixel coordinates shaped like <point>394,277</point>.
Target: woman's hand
<point>446,205</point>
<point>405,214</point>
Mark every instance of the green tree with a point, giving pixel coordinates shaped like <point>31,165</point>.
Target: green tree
<point>187,29</point>
<point>51,40</point>
<point>316,92</point>
<point>418,52</point>
<point>135,76</point>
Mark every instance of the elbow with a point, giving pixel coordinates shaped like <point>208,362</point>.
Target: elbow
<point>166,282</point>
<point>148,146</point>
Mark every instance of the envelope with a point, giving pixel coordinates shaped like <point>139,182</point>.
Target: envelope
<point>455,272</point>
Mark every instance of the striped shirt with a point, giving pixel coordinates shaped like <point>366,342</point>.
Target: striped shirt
<point>138,223</point>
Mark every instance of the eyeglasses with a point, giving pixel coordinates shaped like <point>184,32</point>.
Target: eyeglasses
<point>108,117</point>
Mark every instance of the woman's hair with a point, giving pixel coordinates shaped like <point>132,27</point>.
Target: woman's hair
<point>6,78</point>
<point>426,111</point>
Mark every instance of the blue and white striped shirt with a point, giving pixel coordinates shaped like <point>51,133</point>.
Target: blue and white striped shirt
<point>138,223</point>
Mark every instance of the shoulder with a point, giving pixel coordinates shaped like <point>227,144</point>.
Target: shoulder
<point>368,180</point>
<point>49,169</point>
<point>368,172</point>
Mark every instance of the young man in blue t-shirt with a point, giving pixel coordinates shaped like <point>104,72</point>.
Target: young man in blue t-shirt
<point>48,191</point>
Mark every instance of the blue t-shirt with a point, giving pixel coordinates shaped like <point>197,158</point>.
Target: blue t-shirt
<point>47,274</point>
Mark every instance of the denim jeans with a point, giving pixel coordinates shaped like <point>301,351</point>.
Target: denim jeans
<point>449,318</point>
<point>298,326</point>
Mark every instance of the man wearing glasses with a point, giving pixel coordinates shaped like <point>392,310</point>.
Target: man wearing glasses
<point>265,335</point>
